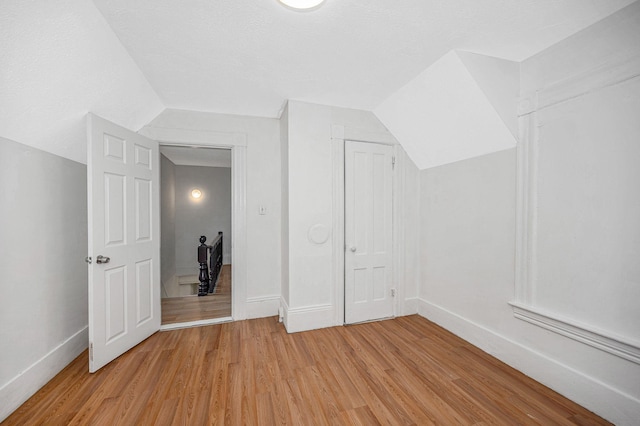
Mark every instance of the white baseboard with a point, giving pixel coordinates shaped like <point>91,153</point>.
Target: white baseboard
<point>602,399</point>
<point>28,382</point>
<point>307,317</point>
<point>261,307</point>
<point>410,306</point>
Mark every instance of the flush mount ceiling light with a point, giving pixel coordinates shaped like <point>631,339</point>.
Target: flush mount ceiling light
<point>301,4</point>
<point>196,193</point>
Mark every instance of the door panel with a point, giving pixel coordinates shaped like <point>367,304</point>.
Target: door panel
<point>144,291</point>
<point>143,210</point>
<point>124,226</point>
<point>368,226</point>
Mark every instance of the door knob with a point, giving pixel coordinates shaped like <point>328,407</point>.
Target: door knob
<point>353,249</point>
<point>102,259</point>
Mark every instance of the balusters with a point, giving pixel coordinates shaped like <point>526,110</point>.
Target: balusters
<point>209,278</point>
<point>203,288</point>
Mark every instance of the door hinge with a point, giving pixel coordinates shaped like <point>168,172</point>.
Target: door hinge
<point>91,351</point>
<point>393,162</point>
<point>393,292</point>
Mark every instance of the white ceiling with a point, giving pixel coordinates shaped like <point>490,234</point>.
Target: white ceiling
<point>127,61</point>
<point>443,115</point>
<point>248,57</point>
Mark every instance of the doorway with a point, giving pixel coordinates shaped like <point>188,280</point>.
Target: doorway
<point>196,200</point>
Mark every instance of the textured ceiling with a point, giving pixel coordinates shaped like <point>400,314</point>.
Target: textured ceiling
<point>249,56</point>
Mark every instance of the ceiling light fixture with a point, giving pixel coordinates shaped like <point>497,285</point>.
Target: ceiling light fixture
<point>196,193</point>
<point>301,4</point>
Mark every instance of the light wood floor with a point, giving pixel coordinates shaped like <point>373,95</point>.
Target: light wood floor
<point>194,308</point>
<point>402,371</point>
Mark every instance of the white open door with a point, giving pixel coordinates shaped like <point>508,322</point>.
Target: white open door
<point>124,240</point>
<point>368,231</point>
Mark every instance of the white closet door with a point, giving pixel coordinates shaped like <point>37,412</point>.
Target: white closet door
<point>368,231</point>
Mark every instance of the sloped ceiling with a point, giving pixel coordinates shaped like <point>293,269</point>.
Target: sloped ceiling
<point>443,115</point>
<point>248,57</point>
<point>127,61</point>
<point>499,80</point>
<point>58,61</point>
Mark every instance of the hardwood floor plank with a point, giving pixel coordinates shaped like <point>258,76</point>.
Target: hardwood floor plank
<point>361,416</point>
<point>195,308</point>
<point>298,408</point>
<point>403,371</point>
<point>280,403</point>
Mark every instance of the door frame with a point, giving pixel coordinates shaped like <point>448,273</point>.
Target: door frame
<point>340,134</point>
<point>237,143</point>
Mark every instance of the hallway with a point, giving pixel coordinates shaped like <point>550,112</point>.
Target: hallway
<point>194,308</point>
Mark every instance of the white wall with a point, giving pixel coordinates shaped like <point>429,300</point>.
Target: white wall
<point>310,203</point>
<point>168,227</point>
<point>467,238</point>
<point>43,292</point>
<point>587,236</point>
<point>59,61</point>
<point>587,89</point>
<point>316,134</point>
<point>263,174</point>
<point>408,203</point>
<point>208,215</point>
<point>586,227</point>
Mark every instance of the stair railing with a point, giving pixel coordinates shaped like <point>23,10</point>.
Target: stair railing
<point>209,273</point>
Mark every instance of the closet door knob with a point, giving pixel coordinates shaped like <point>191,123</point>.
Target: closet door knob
<point>102,259</point>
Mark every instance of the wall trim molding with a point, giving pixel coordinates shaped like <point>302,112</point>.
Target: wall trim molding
<point>592,336</point>
<point>606,401</point>
<point>608,74</point>
<point>239,232</point>
<point>310,317</point>
<point>284,312</point>
<point>410,306</point>
<point>337,147</point>
<point>15,392</point>
<point>263,306</point>
<point>526,279</point>
<point>526,208</point>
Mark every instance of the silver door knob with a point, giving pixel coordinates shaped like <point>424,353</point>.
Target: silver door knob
<point>102,259</point>
<point>353,249</point>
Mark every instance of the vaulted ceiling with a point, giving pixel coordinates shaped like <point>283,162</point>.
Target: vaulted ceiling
<point>128,60</point>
